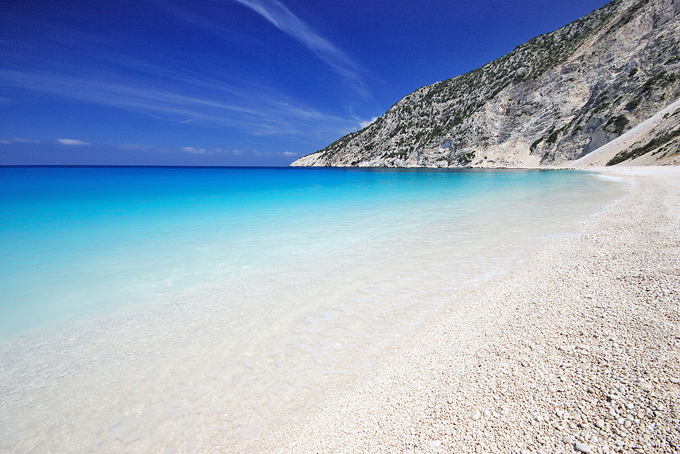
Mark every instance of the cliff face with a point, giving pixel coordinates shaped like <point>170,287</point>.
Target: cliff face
<point>548,102</point>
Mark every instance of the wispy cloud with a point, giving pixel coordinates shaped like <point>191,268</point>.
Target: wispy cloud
<point>202,151</point>
<point>235,152</point>
<point>72,142</point>
<point>277,14</point>
<point>18,140</point>
<point>242,154</point>
<point>261,113</point>
<point>282,18</point>
<point>22,140</point>
<point>52,152</point>
<point>229,98</point>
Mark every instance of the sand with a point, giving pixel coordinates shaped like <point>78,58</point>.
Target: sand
<point>577,349</point>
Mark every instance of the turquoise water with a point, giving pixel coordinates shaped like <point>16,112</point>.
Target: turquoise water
<point>210,299</point>
<point>85,239</point>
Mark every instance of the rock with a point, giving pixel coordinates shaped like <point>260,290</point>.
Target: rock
<point>599,424</point>
<point>581,447</point>
<point>568,439</point>
<point>475,415</point>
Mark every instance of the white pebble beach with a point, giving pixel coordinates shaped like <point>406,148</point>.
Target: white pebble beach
<point>576,350</point>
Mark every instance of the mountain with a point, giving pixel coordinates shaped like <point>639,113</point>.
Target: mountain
<point>549,102</point>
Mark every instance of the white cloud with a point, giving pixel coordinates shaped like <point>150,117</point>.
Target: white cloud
<point>71,142</point>
<point>363,124</point>
<point>194,150</point>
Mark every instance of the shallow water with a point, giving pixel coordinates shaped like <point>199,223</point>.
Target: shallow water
<point>146,309</point>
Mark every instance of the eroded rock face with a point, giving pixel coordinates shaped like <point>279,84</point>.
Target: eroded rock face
<point>550,101</point>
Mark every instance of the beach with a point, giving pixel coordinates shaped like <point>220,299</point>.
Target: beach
<point>576,349</point>
<point>457,319</point>
<point>187,309</point>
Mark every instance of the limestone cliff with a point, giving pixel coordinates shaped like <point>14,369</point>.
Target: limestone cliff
<point>548,102</point>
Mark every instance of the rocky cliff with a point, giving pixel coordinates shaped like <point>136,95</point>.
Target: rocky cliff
<point>548,102</point>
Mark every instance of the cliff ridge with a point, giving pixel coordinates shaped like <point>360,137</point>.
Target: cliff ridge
<point>549,102</point>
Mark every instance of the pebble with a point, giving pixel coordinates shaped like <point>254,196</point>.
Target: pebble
<point>475,415</point>
<point>599,424</point>
<point>581,447</point>
<point>568,439</point>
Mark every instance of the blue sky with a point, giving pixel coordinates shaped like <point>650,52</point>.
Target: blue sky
<point>232,82</point>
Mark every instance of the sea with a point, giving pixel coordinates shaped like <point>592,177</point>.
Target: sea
<point>155,309</point>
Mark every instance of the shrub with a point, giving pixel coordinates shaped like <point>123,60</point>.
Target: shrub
<point>618,123</point>
<point>466,158</point>
<point>632,105</point>
<point>536,143</point>
<point>639,151</point>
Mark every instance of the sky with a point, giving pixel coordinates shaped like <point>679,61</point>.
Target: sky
<point>232,82</point>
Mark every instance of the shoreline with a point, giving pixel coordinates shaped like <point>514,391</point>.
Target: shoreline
<point>222,361</point>
<point>577,349</point>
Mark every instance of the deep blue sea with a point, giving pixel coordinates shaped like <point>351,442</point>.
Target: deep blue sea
<point>178,306</point>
